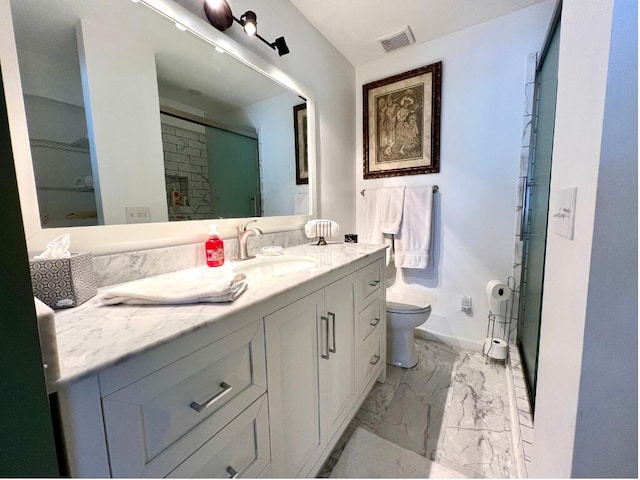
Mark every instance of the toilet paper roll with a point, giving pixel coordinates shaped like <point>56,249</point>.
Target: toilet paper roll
<point>497,294</point>
<point>495,348</point>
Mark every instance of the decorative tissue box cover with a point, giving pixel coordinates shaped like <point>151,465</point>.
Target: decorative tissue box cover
<point>64,282</point>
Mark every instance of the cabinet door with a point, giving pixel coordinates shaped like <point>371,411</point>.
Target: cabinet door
<point>292,378</point>
<point>337,372</point>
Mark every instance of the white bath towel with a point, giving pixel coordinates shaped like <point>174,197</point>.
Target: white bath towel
<point>321,228</point>
<point>413,243</point>
<point>197,285</point>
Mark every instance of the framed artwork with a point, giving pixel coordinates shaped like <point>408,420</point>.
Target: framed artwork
<point>401,123</point>
<point>300,132</point>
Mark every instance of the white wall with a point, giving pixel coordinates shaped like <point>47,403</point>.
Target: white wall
<point>586,402</point>
<point>124,146</point>
<point>62,75</point>
<point>273,119</point>
<point>483,78</point>
<point>314,62</point>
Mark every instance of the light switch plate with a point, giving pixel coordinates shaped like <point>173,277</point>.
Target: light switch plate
<point>565,212</point>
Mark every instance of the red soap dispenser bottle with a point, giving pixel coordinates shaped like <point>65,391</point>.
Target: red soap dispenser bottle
<point>214,248</point>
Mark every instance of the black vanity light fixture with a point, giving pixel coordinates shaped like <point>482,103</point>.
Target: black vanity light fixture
<point>219,14</point>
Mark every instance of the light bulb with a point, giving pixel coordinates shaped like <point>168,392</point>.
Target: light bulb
<point>250,28</point>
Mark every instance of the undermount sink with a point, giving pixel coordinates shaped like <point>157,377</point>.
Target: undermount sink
<point>276,266</point>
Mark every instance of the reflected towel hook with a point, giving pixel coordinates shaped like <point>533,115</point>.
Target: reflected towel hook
<point>436,189</point>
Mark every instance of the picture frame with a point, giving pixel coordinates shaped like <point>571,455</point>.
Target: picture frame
<point>401,123</point>
<point>300,134</point>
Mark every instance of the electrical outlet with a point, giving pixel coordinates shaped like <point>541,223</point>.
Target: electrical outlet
<point>465,303</point>
<point>138,214</point>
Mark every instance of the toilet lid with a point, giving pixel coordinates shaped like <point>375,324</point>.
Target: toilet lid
<point>401,302</point>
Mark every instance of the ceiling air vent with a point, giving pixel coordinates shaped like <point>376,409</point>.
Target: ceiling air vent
<point>395,40</point>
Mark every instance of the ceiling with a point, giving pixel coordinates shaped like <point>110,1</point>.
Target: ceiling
<point>353,25</point>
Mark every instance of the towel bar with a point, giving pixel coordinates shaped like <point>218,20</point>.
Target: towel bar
<point>435,189</point>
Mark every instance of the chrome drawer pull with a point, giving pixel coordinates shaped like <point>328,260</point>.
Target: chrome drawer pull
<point>198,407</point>
<point>374,283</point>
<point>375,322</point>
<point>333,323</point>
<point>326,338</point>
<point>375,359</point>
<point>232,471</point>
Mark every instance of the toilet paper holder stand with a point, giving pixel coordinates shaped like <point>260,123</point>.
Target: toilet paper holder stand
<point>499,325</point>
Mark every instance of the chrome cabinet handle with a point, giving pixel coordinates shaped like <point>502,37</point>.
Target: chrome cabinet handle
<point>326,338</point>
<point>226,389</point>
<point>375,322</point>
<point>333,323</point>
<point>374,283</point>
<point>232,471</point>
<point>374,360</point>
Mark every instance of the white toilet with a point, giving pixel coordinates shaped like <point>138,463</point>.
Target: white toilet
<point>407,308</point>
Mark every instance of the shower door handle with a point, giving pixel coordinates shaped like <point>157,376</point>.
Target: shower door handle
<point>523,212</point>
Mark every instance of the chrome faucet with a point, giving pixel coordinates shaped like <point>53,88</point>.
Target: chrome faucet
<point>243,234</point>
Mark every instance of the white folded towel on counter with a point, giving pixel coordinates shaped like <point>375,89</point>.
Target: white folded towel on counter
<point>199,285</point>
<point>321,228</point>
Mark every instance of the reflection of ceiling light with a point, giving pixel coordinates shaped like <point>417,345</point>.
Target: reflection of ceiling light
<point>193,91</point>
<point>219,50</point>
<point>219,14</point>
<point>181,27</point>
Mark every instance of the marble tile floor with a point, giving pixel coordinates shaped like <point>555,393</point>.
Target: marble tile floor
<point>451,408</point>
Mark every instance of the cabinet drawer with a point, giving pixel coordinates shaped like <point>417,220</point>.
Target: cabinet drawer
<point>370,357</point>
<point>369,284</point>
<point>211,385</point>
<point>241,448</point>
<point>370,319</point>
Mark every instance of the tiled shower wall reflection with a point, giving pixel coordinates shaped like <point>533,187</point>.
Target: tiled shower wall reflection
<point>186,168</point>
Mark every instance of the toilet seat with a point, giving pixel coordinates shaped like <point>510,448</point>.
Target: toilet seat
<point>404,302</point>
<point>395,307</point>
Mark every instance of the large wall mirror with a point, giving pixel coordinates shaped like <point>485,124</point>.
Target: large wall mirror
<point>132,120</point>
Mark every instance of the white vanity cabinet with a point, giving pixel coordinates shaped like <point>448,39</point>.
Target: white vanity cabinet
<point>319,368</point>
<point>264,391</point>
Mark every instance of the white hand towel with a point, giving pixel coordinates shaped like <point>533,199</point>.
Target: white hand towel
<point>383,212</point>
<point>383,215</point>
<point>321,228</point>
<point>413,243</point>
<point>201,285</point>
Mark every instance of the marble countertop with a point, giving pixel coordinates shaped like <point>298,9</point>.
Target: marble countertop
<point>93,337</point>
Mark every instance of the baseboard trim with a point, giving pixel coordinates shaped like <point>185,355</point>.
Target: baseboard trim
<point>455,342</point>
